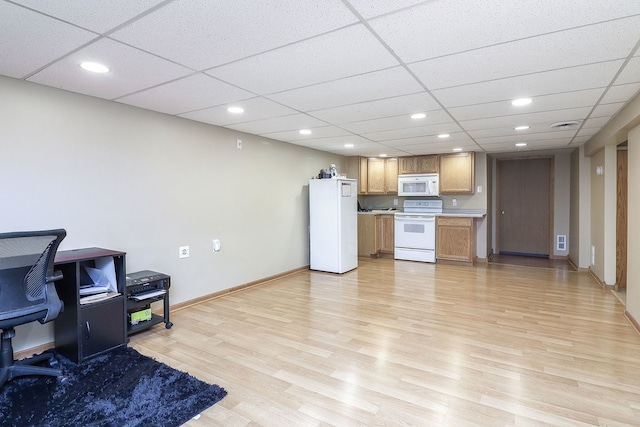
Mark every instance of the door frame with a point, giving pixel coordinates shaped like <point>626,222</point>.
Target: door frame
<point>551,159</point>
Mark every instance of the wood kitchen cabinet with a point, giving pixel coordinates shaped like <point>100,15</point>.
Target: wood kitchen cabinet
<point>382,176</point>
<point>375,235</point>
<point>418,164</point>
<point>455,239</point>
<point>385,234</point>
<point>457,174</point>
<point>367,235</point>
<point>357,169</point>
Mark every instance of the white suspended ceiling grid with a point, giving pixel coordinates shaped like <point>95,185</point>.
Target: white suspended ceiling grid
<point>350,71</point>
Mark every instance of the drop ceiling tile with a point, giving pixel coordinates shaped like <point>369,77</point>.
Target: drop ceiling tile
<point>436,148</point>
<point>586,132</point>
<point>227,30</point>
<point>406,104</point>
<point>317,132</point>
<point>257,108</point>
<point>131,70</point>
<point>422,131</point>
<point>579,140</point>
<point>564,135</point>
<point>509,132</point>
<point>557,101</point>
<point>454,140</point>
<point>336,145</point>
<point>532,85</point>
<point>603,110</point>
<point>510,148</point>
<point>278,124</point>
<point>191,93</point>
<point>620,93</point>
<point>46,40</point>
<point>98,16</point>
<point>631,72</point>
<point>596,43</point>
<point>346,52</point>
<point>490,21</point>
<point>397,122</point>
<point>596,122</point>
<point>544,118</point>
<point>367,87</point>
<point>372,8</point>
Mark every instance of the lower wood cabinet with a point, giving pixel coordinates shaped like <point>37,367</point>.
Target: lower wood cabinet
<point>455,239</point>
<point>384,227</point>
<point>375,235</point>
<point>366,235</point>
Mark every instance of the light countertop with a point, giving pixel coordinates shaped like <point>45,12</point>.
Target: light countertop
<point>463,213</point>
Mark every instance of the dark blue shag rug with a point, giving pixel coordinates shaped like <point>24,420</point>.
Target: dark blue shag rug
<point>119,388</point>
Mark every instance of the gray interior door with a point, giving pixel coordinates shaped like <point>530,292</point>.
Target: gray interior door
<point>524,216</point>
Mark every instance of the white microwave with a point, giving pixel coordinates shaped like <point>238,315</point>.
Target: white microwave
<point>423,185</point>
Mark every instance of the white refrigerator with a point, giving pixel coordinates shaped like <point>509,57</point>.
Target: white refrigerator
<point>333,224</point>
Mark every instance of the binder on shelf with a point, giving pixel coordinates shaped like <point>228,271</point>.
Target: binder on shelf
<point>104,284</point>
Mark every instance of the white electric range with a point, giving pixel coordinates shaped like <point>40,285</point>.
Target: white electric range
<point>415,230</point>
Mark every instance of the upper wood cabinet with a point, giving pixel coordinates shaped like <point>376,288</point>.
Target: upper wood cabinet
<point>382,176</point>
<point>418,164</point>
<point>391,175</point>
<point>357,169</point>
<point>457,174</point>
<point>374,175</point>
<point>427,164</point>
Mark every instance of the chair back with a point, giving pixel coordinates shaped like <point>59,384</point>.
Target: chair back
<point>27,276</point>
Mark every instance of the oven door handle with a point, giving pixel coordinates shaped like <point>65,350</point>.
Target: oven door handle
<point>415,218</point>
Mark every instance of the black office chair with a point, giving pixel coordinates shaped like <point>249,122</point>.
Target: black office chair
<point>27,294</point>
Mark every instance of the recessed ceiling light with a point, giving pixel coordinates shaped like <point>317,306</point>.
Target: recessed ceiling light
<point>521,127</point>
<point>457,149</point>
<point>520,102</point>
<point>444,135</point>
<point>383,155</point>
<point>305,131</point>
<point>94,67</point>
<point>348,145</point>
<point>521,144</point>
<point>235,110</point>
<point>418,116</point>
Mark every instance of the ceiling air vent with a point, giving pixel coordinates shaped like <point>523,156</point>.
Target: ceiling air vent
<point>564,125</point>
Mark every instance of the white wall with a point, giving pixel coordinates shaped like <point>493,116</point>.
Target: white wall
<point>633,233</point>
<point>603,215</point>
<point>579,224</point>
<point>128,179</point>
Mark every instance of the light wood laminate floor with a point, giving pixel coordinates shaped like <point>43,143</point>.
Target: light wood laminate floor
<point>398,343</point>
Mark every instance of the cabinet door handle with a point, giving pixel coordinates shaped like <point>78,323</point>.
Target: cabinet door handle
<point>88,329</point>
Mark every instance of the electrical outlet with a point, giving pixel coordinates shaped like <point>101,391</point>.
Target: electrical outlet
<point>454,202</point>
<point>395,202</point>
<point>239,144</point>
<point>183,252</point>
